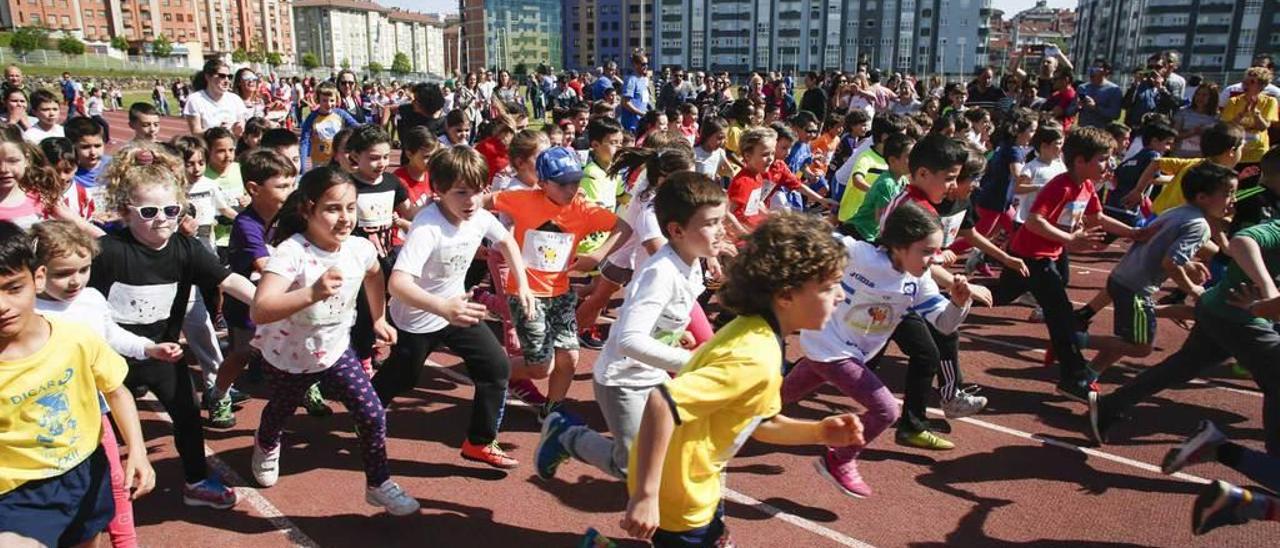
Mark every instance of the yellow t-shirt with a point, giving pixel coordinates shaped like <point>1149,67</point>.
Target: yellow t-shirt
<point>732,136</point>
<point>728,387</point>
<point>1255,142</point>
<point>50,420</point>
<point>1171,195</point>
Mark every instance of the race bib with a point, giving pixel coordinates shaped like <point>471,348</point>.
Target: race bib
<point>753,202</point>
<point>375,209</point>
<point>547,251</point>
<point>334,310</point>
<point>951,228</point>
<point>141,304</point>
<point>1071,216</point>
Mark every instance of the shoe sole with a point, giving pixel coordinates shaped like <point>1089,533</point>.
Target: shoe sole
<point>821,467</point>
<point>491,464</point>
<point>222,425</point>
<point>1094,417</point>
<point>405,512</point>
<point>1204,506</point>
<point>1177,458</point>
<point>208,504</point>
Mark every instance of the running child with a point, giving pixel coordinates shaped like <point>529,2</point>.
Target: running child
<point>91,158</point>
<point>54,486</point>
<point>1221,144</point>
<point>786,278</point>
<point>650,339</point>
<point>317,145</point>
<point>865,222</point>
<point>429,303</point>
<point>303,310</point>
<point>144,120</point>
<point>1043,167</point>
<point>147,273</point>
<point>61,156</point>
<point>418,145</point>
<point>1156,141</point>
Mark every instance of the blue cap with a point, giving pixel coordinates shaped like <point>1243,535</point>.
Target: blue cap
<point>559,165</point>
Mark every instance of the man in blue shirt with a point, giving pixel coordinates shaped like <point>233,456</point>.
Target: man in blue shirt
<point>69,93</point>
<point>635,93</point>
<point>1100,98</point>
<point>605,81</point>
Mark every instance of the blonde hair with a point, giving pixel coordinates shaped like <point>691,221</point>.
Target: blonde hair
<point>1261,74</point>
<point>58,238</point>
<point>142,164</point>
<point>526,144</point>
<point>756,137</point>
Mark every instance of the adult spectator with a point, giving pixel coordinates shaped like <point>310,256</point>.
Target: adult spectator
<point>882,96</point>
<point>1254,111</point>
<point>635,93</point>
<point>180,94</point>
<point>574,83</point>
<point>537,99</point>
<point>1260,60</point>
<point>1176,84</point>
<point>13,77</point>
<point>1147,94</point>
<point>1196,117</point>
<point>426,109</point>
<point>70,92</point>
<point>248,86</point>
<point>211,105</point>
<point>158,97</point>
<point>1063,105</point>
<point>815,96</point>
<point>605,81</point>
<point>981,91</point>
<point>506,90</point>
<point>349,97</point>
<point>674,93</point>
<point>1100,98</point>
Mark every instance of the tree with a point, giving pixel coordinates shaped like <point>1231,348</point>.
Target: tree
<point>401,64</point>
<point>345,64</point>
<point>120,43</point>
<point>28,39</point>
<point>310,61</point>
<point>257,56</point>
<point>275,59</point>
<point>239,55</point>
<point>161,46</point>
<point>71,45</point>
<point>375,68</point>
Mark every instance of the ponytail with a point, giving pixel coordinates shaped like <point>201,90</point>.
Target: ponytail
<point>658,164</point>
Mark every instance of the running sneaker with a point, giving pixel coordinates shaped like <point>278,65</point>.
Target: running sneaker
<point>1049,357</point>
<point>845,476</point>
<point>1218,504</point>
<point>527,392</point>
<point>548,408</point>
<point>550,453</point>
<point>1099,420</point>
<point>1026,299</point>
<point>389,495</point>
<point>490,454</point>
<point>1202,446</point>
<point>964,403</point>
<point>1238,371</point>
<point>221,415</point>
<point>923,439</point>
<point>315,404</point>
<point>590,337</point>
<point>1078,391</point>
<point>266,465</point>
<point>209,492</point>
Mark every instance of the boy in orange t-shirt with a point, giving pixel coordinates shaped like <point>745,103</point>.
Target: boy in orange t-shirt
<point>550,220</point>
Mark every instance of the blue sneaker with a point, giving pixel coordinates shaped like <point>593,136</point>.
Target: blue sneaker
<point>550,453</point>
<point>209,492</point>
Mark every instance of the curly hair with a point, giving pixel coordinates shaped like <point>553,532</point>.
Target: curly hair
<point>138,164</point>
<point>785,252</point>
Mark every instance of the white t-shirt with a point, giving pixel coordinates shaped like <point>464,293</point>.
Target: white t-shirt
<point>877,296</point>
<point>35,134</point>
<point>90,308</point>
<point>312,339</point>
<point>207,198</point>
<point>225,112</point>
<point>708,162</point>
<point>93,106</point>
<point>644,227</point>
<point>1040,173</point>
<point>437,253</point>
<point>644,343</point>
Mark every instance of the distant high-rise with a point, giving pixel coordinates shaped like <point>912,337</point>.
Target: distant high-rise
<point>512,34</point>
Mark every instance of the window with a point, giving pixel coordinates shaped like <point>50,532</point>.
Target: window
<point>66,21</point>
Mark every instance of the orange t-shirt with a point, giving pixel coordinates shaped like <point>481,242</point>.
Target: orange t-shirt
<point>548,234</point>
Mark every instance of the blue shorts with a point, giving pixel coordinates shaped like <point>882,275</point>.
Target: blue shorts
<point>1135,315</point>
<point>64,510</point>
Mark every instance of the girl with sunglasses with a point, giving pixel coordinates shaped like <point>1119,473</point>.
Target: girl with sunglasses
<point>211,106</point>
<point>147,272</point>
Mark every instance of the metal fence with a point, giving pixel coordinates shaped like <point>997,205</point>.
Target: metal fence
<point>91,61</point>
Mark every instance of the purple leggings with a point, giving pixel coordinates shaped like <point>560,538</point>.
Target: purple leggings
<point>854,380</point>
<point>345,378</point>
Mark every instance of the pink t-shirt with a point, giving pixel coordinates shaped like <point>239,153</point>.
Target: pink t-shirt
<point>25,213</point>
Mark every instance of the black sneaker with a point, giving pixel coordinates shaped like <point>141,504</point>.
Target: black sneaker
<point>1078,391</point>
<point>590,338</point>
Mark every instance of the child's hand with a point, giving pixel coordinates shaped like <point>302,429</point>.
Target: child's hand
<point>980,294</point>
<point>585,263</point>
<point>841,430</point>
<point>687,341</point>
<point>945,257</point>
<point>384,335</point>
<point>463,313</point>
<point>527,301</point>
<point>961,291</point>
<point>1015,263</point>
<point>1198,272</point>
<point>188,225</point>
<point>327,285</point>
<point>139,476</point>
<point>166,352</point>
<point>641,519</point>
<point>1087,239</point>
<point>1132,199</point>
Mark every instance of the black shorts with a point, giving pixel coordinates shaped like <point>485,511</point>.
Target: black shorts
<point>64,510</point>
<point>1135,315</point>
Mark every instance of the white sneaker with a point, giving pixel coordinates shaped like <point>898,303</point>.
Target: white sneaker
<point>964,404</point>
<point>1027,299</point>
<point>389,495</point>
<point>1037,315</point>
<point>266,465</point>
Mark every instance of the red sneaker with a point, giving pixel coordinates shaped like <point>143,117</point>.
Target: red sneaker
<point>489,454</point>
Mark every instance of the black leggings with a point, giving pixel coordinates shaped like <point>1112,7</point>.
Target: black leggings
<point>171,383</point>
<point>486,363</point>
<point>929,353</point>
<point>1048,284</point>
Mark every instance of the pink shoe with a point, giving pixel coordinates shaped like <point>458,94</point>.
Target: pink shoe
<point>527,392</point>
<point>845,476</point>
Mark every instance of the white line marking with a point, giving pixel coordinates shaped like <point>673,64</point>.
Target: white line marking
<point>763,507</point>
<point>248,494</point>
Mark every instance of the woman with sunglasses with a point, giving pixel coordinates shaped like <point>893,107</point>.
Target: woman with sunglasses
<point>211,105</point>
<point>249,87</point>
<point>349,98</point>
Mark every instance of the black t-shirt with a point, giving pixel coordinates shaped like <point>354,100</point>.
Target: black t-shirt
<point>376,208</point>
<point>409,118</point>
<point>955,215</point>
<point>148,289</point>
<point>815,101</point>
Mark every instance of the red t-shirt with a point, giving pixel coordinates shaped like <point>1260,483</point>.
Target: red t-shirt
<point>420,194</point>
<point>495,154</point>
<point>1063,202</point>
<point>1063,99</point>
<point>781,177</point>
<point>745,200</point>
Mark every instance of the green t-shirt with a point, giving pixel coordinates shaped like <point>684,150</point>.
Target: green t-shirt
<point>882,191</point>
<point>1214,301</point>
<point>232,186</point>
<point>870,165</point>
<point>598,187</point>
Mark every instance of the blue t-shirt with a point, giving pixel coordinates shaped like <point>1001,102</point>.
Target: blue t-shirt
<point>636,90</point>
<point>598,88</point>
<point>996,191</point>
<point>1126,177</point>
<point>88,178</point>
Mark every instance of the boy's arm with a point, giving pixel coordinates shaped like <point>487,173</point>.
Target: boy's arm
<point>859,181</point>
<point>1040,226</point>
<point>1112,226</point>
<point>618,235</point>
<point>994,251</point>
<point>1180,276</point>
<point>657,425</point>
<point>304,143</point>
<point>1247,254</point>
<point>139,477</point>
<point>1134,197</point>
<point>238,287</point>
<point>835,430</point>
<point>635,327</point>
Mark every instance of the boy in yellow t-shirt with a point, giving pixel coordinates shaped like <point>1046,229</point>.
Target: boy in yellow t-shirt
<point>1220,144</point>
<point>54,486</point>
<point>786,278</point>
